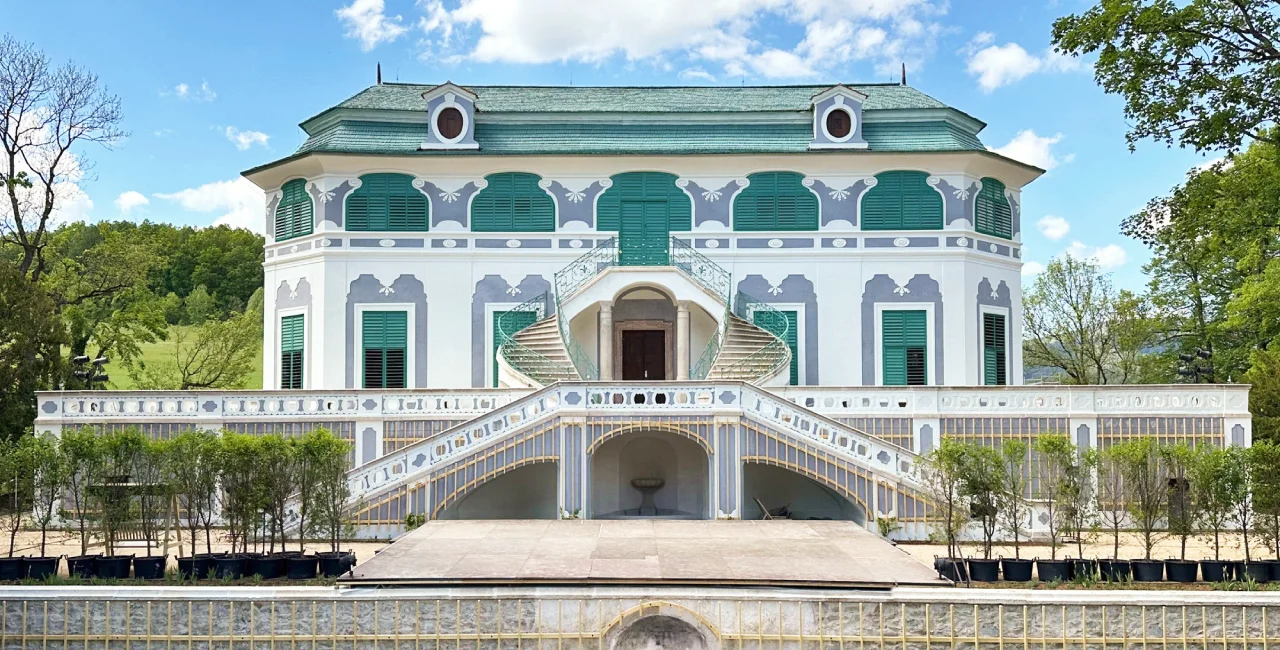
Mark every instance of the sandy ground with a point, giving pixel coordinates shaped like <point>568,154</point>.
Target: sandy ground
<point>1198,548</point>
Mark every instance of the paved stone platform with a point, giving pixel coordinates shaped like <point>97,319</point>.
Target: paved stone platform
<point>704,553</point>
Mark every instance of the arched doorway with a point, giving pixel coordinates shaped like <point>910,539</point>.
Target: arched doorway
<point>804,498</point>
<point>660,633</point>
<point>673,470</point>
<point>527,492</point>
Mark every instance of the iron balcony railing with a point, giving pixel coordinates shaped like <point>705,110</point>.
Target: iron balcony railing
<point>773,355</point>
<point>520,357</point>
<point>708,274</point>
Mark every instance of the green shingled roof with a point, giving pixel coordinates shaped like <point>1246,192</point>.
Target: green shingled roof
<point>631,99</point>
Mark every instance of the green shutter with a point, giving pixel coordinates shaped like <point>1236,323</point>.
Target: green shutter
<point>292,345</point>
<point>775,201</point>
<point>384,338</point>
<point>645,186</point>
<point>386,202</point>
<point>902,200</point>
<point>994,350</point>
<point>992,211</point>
<point>293,217</point>
<point>513,202</point>
<point>904,348</point>
<point>773,322</point>
<point>515,320</point>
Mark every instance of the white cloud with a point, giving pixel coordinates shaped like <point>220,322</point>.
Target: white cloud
<point>186,93</point>
<point>697,73</point>
<point>740,35</point>
<point>1001,65</point>
<point>70,202</point>
<point>368,23</point>
<point>240,203</point>
<point>1032,268</point>
<point>1053,228</point>
<point>245,139</point>
<point>1034,149</point>
<point>129,200</point>
<point>1106,257</point>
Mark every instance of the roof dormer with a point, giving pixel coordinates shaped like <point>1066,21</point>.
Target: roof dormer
<point>451,112</point>
<point>837,119</point>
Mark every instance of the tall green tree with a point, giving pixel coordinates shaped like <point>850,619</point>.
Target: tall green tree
<point>31,336</point>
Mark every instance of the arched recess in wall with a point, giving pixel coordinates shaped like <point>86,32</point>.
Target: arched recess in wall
<point>775,201</point>
<point>387,202</point>
<point>513,202</point>
<point>992,213</point>
<point>902,200</point>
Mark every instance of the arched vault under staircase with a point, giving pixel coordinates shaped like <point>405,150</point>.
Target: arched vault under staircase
<point>536,346</point>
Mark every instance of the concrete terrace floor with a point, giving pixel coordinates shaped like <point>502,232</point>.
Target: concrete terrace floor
<point>706,553</point>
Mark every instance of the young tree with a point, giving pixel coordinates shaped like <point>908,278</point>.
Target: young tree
<point>51,474</point>
<point>1240,460</point>
<point>1113,493</point>
<point>84,450</point>
<point>1144,478</point>
<point>309,459</point>
<point>941,472</point>
<point>15,487</point>
<point>1080,518</point>
<point>982,483</point>
<point>1265,457</point>
<point>193,461</point>
<point>332,490</point>
<point>277,459</point>
<point>1015,509</point>
<point>1217,484</point>
<point>1057,458</point>
<point>1184,509</point>
<point>238,474</point>
<point>200,306</point>
<point>121,453</point>
<point>154,480</point>
<point>214,354</point>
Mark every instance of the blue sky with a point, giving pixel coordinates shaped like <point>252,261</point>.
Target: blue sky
<point>211,89</point>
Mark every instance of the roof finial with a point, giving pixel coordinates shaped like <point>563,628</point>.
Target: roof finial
<point>379,74</point>
<point>904,73</point>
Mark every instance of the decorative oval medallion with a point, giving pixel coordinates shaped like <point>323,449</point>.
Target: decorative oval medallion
<point>450,243</point>
<point>902,242</point>
<point>993,247</point>
<point>839,242</point>
<point>577,243</point>
<point>513,243</point>
<point>962,241</point>
<point>386,243</point>
<point>325,243</point>
<point>713,243</point>
<point>293,249</point>
<point>775,243</point>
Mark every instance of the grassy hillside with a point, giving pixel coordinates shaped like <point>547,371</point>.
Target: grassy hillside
<point>163,350</point>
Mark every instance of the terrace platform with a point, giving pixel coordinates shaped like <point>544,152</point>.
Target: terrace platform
<point>703,553</point>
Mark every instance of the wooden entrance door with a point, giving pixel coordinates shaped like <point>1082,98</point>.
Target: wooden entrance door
<point>644,355</point>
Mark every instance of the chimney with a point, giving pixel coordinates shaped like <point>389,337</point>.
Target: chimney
<point>380,74</point>
<point>904,74</point>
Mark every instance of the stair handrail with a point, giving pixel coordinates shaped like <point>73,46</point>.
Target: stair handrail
<point>707,359</point>
<point>587,369</point>
<point>577,273</point>
<point>702,269</point>
<point>520,357</point>
<point>745,307</point>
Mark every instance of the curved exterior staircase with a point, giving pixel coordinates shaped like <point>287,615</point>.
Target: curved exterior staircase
<point>749,353</point>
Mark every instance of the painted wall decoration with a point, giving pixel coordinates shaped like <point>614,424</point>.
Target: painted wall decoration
<point>368,290</point>
<point>884,290</point>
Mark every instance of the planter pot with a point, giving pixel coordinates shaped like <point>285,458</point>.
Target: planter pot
<point>1050,570</point>
<point>332,565</point>
<point>190,568</point>
<point>1275,569</point>
<point>301,568</point>
<point>984,570</point>
<point>1114,570</point>
<point>149,568</point>
<point>1181,570</point>
<point>1147,570</point>
<point>953,570</point>
<point>1258,572</point>
<point>1215,570</point>
<point>83,566</point>
<point>113,567</point>
<point>11,568</point>
<point>1084,569</point>
<point>1235,570</point>
<point>204,566</point>
<point>269,568</point>
<point>349,557</point>
<point>229,566</point>
<point>1016,570</point>
<point>39,568</point>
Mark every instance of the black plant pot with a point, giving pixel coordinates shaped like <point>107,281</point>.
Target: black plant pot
<point>301,568</point>
<point>1016,570</point>
<point>332,565</point>
<point>349,557</point>
<point>189,568</point>
<point>1181,570</point>
<point>1274,566</point>
<point>1258,572</point>
<point>12,568</point>
<point>1235,570</point>
<point>39,568</point>
<point>984,570</point>
<point>949,569</point>
<point>1050,570</point>
<point>1147,570</point>
<point>269,568</point>
<point>1215,570</point>
<point>229,566</point>
<point>149,568</point>
<point>83,566</point>
<point>1114,570</point>
<point>1082,569</point>
<point>204,566</point>
<point>113,567</point>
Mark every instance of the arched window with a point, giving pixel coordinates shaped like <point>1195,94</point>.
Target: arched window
<point>293,214</point>
<point>775,201</point>
<point>992,213</point>
<point>386,202</point>
<point>902,200</point>
<point>513,202</point>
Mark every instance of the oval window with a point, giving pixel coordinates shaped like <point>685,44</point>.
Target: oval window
<point>839,123</point>
<point>449,123</point>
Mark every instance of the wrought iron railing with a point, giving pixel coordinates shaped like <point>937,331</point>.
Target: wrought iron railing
<point>582,270</point>
<point>587,369</point>
<point>773,355</point>
<point>711,276</point>
<point>711,352</point>
<point>520,357</point>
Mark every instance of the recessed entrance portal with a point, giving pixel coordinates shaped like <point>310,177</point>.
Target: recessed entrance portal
<point>648,474</point>
<point>793,496</point>
<point>644,355</point>
<point>527,492</point>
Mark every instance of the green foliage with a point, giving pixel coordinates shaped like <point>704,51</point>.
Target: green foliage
<point>213,354</point>
<point>941,472</point>
<point>1197,73</point>
<point>1080,517</point>
<point>16,483</point>
<point>1142,467</point>
<point>1217,485</point>
<point>193,461</point>
<point>29,355</point>
<point>1240,464</point>
<point>50,473</point>
<point>1057,456</point>
<point>982,484</point>
<point>199,306</point>
<point>1184,509</point>
<point>1265,492</point>
<point>1015,509</point>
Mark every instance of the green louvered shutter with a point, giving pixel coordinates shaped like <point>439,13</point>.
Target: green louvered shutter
<point>293,216</point>
<point>513,202</point>
<point>993,213</point>
<point>644,186</point>
<point>773,322</point>
<point>516,321</point>
<point>292,346</point>
<point>994,367</point>
<point>904,348</point>
<point>775,201</point>
<point>384,339</point>
<point>902,200</point>
<point>386,202</point>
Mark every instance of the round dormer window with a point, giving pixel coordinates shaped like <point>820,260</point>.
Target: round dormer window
<point>839,123</point>
<point>449,123</point>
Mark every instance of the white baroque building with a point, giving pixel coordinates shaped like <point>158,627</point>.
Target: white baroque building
<point>545,301</point>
